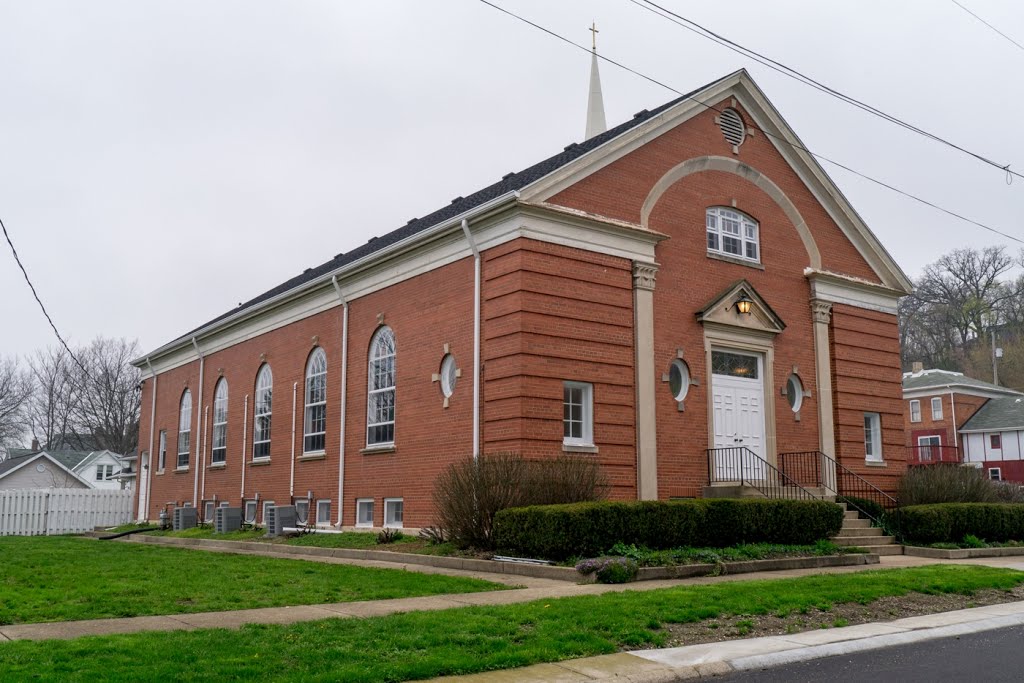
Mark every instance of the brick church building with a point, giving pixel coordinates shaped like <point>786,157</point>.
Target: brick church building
<point>685,283</point>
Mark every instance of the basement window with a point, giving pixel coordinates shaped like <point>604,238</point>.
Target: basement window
<point>364,512</point>
<point>995,473</point>
<point>323,513</point>
<point>394,511</point>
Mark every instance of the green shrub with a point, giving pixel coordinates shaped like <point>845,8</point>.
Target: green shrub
<point>952,522</point>
<point>557,532</point>
<point>947,484</point>
<point>610,569</point>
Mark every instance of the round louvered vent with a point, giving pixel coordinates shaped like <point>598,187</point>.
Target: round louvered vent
<point>732,127</point>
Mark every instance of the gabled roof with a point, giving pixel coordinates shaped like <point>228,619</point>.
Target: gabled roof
<point>12,465</point>
<point>920,382</point>
<point>998,414</point>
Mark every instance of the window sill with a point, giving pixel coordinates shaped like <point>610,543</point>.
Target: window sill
<point>735,260</point>
<point>180,470</point>
<point>876,463</point>
<point>383,448</point>
<point>579,448</point>
<point>216,465</point>
<point>316,455</point>
<point>159,472</point>
<point>256,462</point>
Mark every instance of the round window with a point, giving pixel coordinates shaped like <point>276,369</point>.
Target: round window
<point>678,379</point>
<point>794,392</point>
<point>449,375</point>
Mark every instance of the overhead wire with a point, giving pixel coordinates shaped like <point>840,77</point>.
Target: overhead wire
<point>781,139</point>
<point>988,24</point>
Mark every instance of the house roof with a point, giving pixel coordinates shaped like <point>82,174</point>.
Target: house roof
<point>11,464</point>
<point>998,414</point>
<point>945,379</point>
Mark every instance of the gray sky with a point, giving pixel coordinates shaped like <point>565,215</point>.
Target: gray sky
<point>162,161</point>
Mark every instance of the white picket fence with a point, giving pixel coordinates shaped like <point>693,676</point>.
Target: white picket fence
<point>45,512</point>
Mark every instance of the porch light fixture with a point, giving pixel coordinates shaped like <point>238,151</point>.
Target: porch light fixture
<point>743,304</point>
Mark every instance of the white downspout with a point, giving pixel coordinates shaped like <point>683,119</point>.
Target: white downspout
<point>245,437</point>
<point>476,338</point>
<point>152,442</point>
<point>291,478</point>
<point>344,397</point>
<point>202,462</point>
<point>202,363</point>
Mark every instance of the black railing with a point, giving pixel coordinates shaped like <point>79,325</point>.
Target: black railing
<point>816,469</point>
<point>741,466</point>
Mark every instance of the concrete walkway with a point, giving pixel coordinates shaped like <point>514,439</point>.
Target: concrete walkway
<point>536,589</point>
<point>716,659</point>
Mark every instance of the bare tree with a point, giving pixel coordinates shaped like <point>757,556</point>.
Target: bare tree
<point>53,395</point>
<point>15,388</point>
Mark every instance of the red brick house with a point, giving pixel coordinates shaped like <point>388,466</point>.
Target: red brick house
<point>688,280</point>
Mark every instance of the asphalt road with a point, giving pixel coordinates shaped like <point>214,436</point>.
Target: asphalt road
<point>978,658</point>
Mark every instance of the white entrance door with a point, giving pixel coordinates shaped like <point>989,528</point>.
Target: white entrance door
<point>142,481</point>
<point>738,414</point>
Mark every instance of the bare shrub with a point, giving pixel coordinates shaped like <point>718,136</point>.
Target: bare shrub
<point>1008,492</point>
<point>946,484</point>
<point>469,493</point>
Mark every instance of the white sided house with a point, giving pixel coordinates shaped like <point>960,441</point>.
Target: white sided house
<point>38,470</point>
<point>63,469</point>
<point>993,439</point>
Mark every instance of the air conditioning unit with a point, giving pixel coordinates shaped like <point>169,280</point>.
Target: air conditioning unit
<point>279,518</point>
<point>184,518</point>
<point>227,519</point>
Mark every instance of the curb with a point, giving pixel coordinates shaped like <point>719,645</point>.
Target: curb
<point>961,553</point>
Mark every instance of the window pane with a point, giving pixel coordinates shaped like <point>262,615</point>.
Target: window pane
<point>751,251</point>
<point>731,245</point>
<point>734,364</point>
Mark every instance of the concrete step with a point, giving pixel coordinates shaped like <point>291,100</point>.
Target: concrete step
<point>864,540</point>
<point>892,549</point>
<point>860,532</point>
<point>850,523</point>
<point>851,514</point>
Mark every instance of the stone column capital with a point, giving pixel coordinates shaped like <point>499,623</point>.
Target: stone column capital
<point>644,275</point>
<point>821,311</point>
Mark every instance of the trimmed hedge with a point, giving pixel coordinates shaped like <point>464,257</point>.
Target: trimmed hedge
<point>950,522</point>
<point>558,532</point>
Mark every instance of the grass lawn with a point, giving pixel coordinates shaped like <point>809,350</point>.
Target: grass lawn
<point>425,644</point>
<point>65,578</point>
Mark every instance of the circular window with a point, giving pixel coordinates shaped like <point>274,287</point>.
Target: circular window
<point>794,392</point>
<point>678,379</point>
<point>449,375</point>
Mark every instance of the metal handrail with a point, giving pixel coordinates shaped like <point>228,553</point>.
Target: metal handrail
<point>769,480</point>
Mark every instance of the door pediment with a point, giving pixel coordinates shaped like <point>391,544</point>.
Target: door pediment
<point>722,310</point>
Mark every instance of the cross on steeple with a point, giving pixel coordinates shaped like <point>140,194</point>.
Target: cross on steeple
<point>593,36</point>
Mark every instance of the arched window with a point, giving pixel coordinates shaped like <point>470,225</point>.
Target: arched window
<point>380,411</point>
<point>262,412</point>
<point>315,433</point>
<point>220,422</point>
<point>732,233</point>
<point>184,428</point>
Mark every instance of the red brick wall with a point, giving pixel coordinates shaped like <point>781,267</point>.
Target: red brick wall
<point>866,377</point>
<point>966,406</point>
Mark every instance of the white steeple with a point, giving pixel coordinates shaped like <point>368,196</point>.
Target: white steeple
<point>595,102</point>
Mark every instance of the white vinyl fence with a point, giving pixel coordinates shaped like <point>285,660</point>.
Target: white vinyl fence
<point>39,512</point>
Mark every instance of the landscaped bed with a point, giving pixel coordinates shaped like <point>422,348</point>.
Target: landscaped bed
<point>422,645</point>
<point>67,578</point>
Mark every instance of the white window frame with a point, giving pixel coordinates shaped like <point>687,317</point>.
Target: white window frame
<point>263,409</point>
<point>389,504</point>
<point>184,430</point>
<point>104,472</point>
<point>937,414</point>
<point>314,434</point>
<point>586,421</point>
<point>717,230</point>
<point>359,503</point>
<point>873,440</point>
<point>301,503</point>
<point>998,472</point>
<point>321,519</point>
<point>219,448</point>
<point>208,508</point>
<point>915,410</point>
<point>245,511</point>
<point>378,389</point>
<point>266,505</point>
<point>161,456</point>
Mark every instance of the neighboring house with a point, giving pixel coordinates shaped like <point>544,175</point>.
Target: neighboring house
<point>38,470</point>
<point>100,469</point>
<point>992,438</point>
<point>937,404</point>
<point>670,292</point>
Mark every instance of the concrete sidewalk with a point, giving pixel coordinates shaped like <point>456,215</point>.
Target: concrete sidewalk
<point>537,589</point>
<point>716,659</point>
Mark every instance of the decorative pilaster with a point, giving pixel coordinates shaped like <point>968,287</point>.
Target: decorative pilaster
<point>821,314</point>
<point>643,339</point>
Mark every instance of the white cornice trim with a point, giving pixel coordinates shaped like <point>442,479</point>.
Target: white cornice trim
<point>965,389</point>
<point>842,289</point>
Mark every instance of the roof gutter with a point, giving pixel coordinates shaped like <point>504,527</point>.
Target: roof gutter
<point>453,223</point>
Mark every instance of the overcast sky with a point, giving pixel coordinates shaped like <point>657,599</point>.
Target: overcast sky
<point>162,161</point>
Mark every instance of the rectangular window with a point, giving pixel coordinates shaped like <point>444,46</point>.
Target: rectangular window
<point>323,513</point>
<point>995,473</point>
<point>995,442</point>
<point>250,512</point>
<point>915,410</point>
<point>267,504</point>
<point>873,437</point>
<point>393,512</point>
<point>928,448</point>
<point>578,414</point>
<point>937,408</point>
<point>732,233</point>
<point>208,511</point>
<point>161,459</point>
<point>104,472</point>
<point>364,512</point>
<point>302,510</point>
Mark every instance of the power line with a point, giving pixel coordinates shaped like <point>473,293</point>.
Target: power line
<point>796,75</point>
<point>988,24</point>
<point>767,133</point>
<point>39,301</point>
